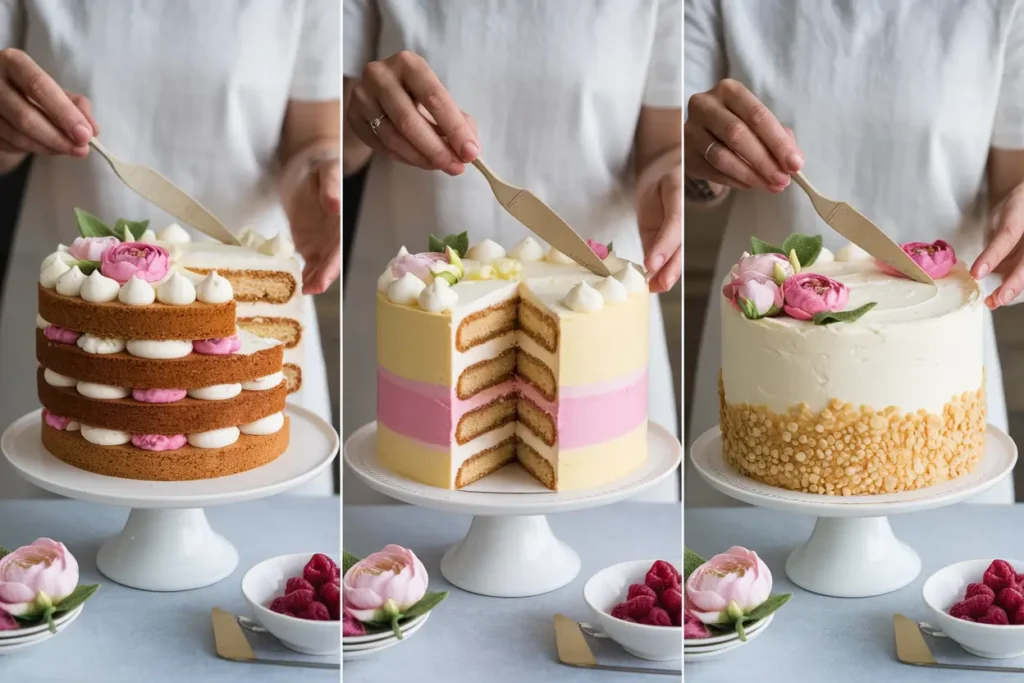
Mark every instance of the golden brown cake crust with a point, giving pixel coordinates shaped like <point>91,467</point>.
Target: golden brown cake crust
<point>186,416</point>
<point>125,370</point>
<point>185,464</point>
<point>156,321</point>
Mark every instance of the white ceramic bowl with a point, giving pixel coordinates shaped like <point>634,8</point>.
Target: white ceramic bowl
<point>266,581</point>
<point>608,588</point>
<point>945,588</point>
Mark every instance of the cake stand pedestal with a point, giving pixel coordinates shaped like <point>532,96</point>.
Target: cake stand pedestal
<point>167,543</point>
<point>510,550</point>
<point>853,552</point>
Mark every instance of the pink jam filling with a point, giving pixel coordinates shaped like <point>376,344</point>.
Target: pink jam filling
<point>61,335</point>
<point>56,421</point>
<point>221,346</point>
<point>159,442</point>
<point>158,395</point>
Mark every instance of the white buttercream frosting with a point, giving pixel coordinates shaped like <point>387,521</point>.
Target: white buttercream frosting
<point>271,424</point>
<point>41,322</point>
<point>486,251</point>
<point>136,292</point>
<point>405,290</point>
<point>105,437</point>
<point>177,290</point>
<point>59,255</point>
<point>264,383</point>
<point>583,298</point>
<point>104,392</point>
<point>850,253</point>
<point>70,283</point>
<point>248,237</point>
<point>385,280</point>
<point>611,290</point>
<point>216,392</point>
<point>99,345</point>
<point>215,438</point>
<point>174,234</point>
<point>215,289</point>
<point>147,237</point>
<point>555,256</point>
<point>57,380</point>
<point>72,427</point>
<point>527,250</point>
<point>49,275</point>
<point>825,256</point>
<point>99,289</point>
<point>159,350</point>
<point>438,297</point>
<point>278,246</point>
<point>632,279</point>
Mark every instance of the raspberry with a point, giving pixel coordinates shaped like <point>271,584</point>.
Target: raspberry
<point>294,603</point>
<point>975,588</point>
<point>1010,599</point>
<point>620,612</point>
<point>640,589</point>
<point>330,595</point>
<point>662,575</point>
<point>635,609</point>
<point>978,605</point>
<point>672,601</point>
<point>657,617</point>
<point>297,583</point>
<point>694,628</point>
<point>317,611</point>
<point>350,626</point>
<point>1019,579</point>
<point>319,569</point>
<point>994,615</point>
<point>279,605</point>
<point>1016,617</point>
<point>999,575</point>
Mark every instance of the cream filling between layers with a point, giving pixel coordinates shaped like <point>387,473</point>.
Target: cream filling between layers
<point>460,454</point>
<point>549,453</point>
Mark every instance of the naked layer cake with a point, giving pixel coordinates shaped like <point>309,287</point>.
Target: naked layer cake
<point>143,370</point>
<point>842,377</point>
<point>487,357</point>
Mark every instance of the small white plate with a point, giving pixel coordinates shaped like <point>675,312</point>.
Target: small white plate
<point>695,654</point>
<point>65,618</point>
<point>705,643</point>
<point>350,652</point>
<point>9,645</point>
<point>383,635</point>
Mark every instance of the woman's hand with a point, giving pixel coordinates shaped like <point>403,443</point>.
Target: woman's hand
<point>36,115</point>
<point>659,215</point>
<point>733,139</point>
<point>383,113</point>
<point>314,215</point>
<point>1004,254</point>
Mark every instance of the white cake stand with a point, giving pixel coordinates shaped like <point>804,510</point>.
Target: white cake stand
<point>852,552</point>
<point>167,543</point>
<point>510,550</point>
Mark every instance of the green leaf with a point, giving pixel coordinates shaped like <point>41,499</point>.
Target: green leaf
<point>77,598</point>
<point>807,247</point>
<point>610,248</point>
<point>829,317</point>
<point>435,244</point>
<point>691,561</point>
<point>134,229</point>
<point>348,560</point>
<point>761,247</point>
<point>4,551</point>
<point>426,603</point>
<point>748,308</point>
<point>459,243</point>
<point>86,266</point>
<point>774,602</point>
<point>91,226</point>
<point>394,628</point>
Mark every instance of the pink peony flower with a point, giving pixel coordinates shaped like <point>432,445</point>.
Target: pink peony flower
<point>61,335</point>
<point>92,248</point>
<point>384,584</point>
<point>147,262</point>
<point>36,576</point>
<point>763,264</point>
<point>601,250</point>
<point>727,586</point>
<point>56,421</point>
<point>808,294</point>
<point>417,264</point>
<point>936,259</point>
<point>754,294</point>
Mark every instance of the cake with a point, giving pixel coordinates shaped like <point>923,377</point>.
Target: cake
<point>840,376</point>
<point>487,357</point>
<point>144,372</point>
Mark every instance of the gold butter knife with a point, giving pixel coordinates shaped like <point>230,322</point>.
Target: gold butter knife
<point>912,649</point>
<point>574,651</point>
<point>164,194</point>
<point>232,644</point>
<point>855,227</point>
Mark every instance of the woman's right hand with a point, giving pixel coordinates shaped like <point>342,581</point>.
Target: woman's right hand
<point>37,116</point>
<point>733,139</point>
<point>389,94</point>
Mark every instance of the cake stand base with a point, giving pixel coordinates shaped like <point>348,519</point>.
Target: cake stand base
<point>167,550</point>
<point>510,557</point>
<point>853,557</point>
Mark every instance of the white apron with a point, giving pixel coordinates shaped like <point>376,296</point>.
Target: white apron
<point>556,89</point>
<point>194,89</point>
<point>893,105</point>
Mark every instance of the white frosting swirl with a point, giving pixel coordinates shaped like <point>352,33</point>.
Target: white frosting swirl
<point>632,279</point>
<point>159,350</point>
<point>57,380</point>
<point>100,346</point>
<point>99,289</point>
<point>555,256</point>
<point>271,424</point>
<point>851,253</point>
<point>825,256</point>
<point>104,392</point>
<point>438,296</point>
<point>147,237</point>
<point>583,298</point>
<point>70,283</point>
<point>136,292</point>
<point>59,255</point>
<point>216,392</point>
<point>72,427</point>
<point>215,438</point>
<point>278,246</point>
<point>248,237</point>
<point>611,290</point>
<point>486,251</point>
<point>41,323</point>
<point>49,275</point>
<point>527,250</point>
<point>385,280</point>
<point>264,383</point>
<point>105,437</point>
<point>177,290</point>
<point>215,289</point>
<point>405,290</point>
<point>174,234</point>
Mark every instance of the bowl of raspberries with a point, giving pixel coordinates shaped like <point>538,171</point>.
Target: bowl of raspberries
<point>639,605</point>
<point>297,598</point>
<point>980,605</point>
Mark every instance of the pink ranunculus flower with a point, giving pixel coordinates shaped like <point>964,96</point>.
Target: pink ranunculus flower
<point>727,586</point>
<point>601,250</point>
<point>36,576</point>
<point>92,248</point>
<point>763,264</point>
<point>936,258</point>
<point>148,262</point>
<point>808,294</point>
<point>417,264</point>
<point>754,294</point>
<point>384,584</point>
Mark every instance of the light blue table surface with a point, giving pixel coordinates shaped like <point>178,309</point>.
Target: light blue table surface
<point>476,639</point>
<point>131,636</point>
<point>840,640</point>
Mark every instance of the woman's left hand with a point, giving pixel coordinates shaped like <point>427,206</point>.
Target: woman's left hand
<point>314,213</point>
<point>659,207</point>
<point>1004,254</point>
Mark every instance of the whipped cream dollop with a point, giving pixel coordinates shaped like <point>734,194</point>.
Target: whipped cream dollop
<point>59,255</point>
<point>215,438</point>
<point>215,289</point>
<point>264,383</point>
<point>278,246</point>
<point>41,322</point>
<point>248,237</point>
<point>271,424</point>
<point>136,292</point>
<point>57,380</point>
<point>611,290</point>
<point>100,346</point>
<point>527,250</point>
<point>174,234</point>
<point>147,237</point>
<point>486,251</point>
<point>70,283</point>
<point>632,279</point>
<point>583,298</point>
<point>103,392</point>
<point>99,289</point>
<point>850,253</point>
<point>177,290</point>
<point>159,350</point>
<point>49,275</point>
<point>437,297</point>
<point>825,256</point>
<point>216,392</point>
<point>385,280</point>
<point>405,290</point>
<point>105,437</point>
<point>555,256</point>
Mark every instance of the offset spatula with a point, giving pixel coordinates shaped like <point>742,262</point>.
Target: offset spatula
<point>912,649</point>
<point>166,195</point>
<point>855,227</point>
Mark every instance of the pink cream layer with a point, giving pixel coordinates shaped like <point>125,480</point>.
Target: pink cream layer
<point>584,415</point>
